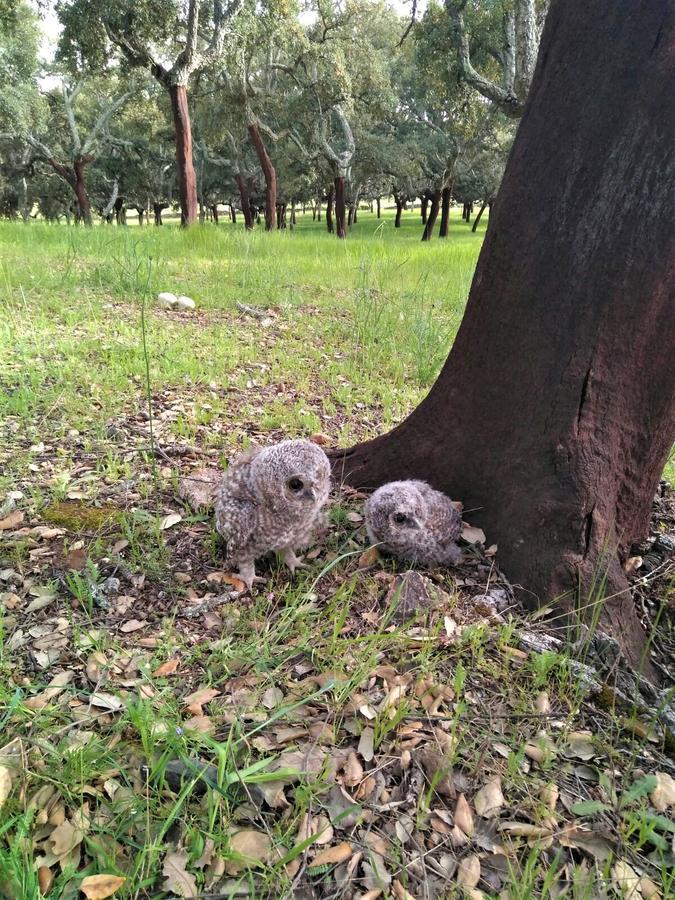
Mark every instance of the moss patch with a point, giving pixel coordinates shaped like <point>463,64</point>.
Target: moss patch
<point>77,516</point>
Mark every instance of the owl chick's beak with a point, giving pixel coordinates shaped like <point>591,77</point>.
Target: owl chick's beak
<point>309,494</point>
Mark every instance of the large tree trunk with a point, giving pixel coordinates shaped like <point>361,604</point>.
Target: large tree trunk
<point>399,210</point>
<point>433,215</point>
<point>329,210</point>
<point>340,221</point>
<point>187,180</point>
<point>270,176</point>
<point>554,413</point>
<point>245,201</point>
<point>445,212</point>
<point>83,204</point>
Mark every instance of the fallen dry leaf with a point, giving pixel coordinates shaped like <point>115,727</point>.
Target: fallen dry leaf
<point>316,827</point>
<point>580,746</point>
<point>365,748</point>
<point>76,559</point>
<point>663,795</point>
<point>321,439</point>
<point>167,668</point>
<point>626,880</point>
<point>203,724</point>
<point>468,871</point>
<point>176,878</point>
<point>65,838</point>
<point>648,889</point>
<point>524,829</point>
<point>591,842</point>
<point>56,685</point>
<point>353,770</point>
<point>5,784</point>
<point>169,521</point>
<point>472,535</point>
<point>333,855</point>
<point>13,520</point>
<point>98,887</point>
<point>194,702</point>
<point>489,799</point>
<point>253,847</point>
<point>199,488</point>
<point>133,625</point>
<point>542,704</point>
<point>464,816</point>
<point>45,879</point>
<point>369,558</point>
<point>272,697</point>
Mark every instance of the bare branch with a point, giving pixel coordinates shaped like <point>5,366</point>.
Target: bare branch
<point>505,100</point>
<point>413,19</point>
<point>137,56</point>
<point>108,208</point>
<point>69,102</point>
<point>101,124</point>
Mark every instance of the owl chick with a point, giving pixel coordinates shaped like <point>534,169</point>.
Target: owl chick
<point>271,499</point>
<point>411,520</point>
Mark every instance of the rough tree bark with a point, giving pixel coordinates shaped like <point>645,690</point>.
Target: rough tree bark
<point>555,411</point>
<point>270,176</point>
<point>340,220</point>
<point>187,180</point>
<point>74,176</point>
<point>433,215</point>
<point>399,210</point>
<point>424,207</point>
<point>445,212</point>
<point>329,210</point>
<point>245,201</point>
<point>478,217</point>
<point>158,209</point>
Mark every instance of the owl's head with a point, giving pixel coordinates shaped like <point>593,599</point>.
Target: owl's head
<point>394,511</point>
<point>296,471</point>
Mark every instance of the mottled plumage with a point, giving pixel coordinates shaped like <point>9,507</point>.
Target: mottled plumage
<point>411,520</point>
<point>272,499</point>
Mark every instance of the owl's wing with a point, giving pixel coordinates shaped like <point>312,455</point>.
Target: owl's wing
<point>446,517</point>
<point>237,526</point>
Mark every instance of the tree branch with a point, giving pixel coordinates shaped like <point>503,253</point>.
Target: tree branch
<point>69,102</point>
<point>505,100</point>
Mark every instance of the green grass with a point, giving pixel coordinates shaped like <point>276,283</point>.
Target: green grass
<point>368,320</point>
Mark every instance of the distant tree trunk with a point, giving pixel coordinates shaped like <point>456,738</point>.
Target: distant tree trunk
<point>293,220</point>
<point>233,214</point>
<point>399,210</point>
<point>340,218</point>
<point>214,213</point>
<point>423,208</point>
<point>187,180</point>
<point>445,211</point>
<point>480,213</point>
<point>350,216</point>
<point>245,201</point>
<point>281,215</point>
<point>158,208</point>
<point>377,200</point>
<point>318,210</point>
<point>141,212</point>
<point>433,215</point>
<point>270,176</point>
<point>329,210</point>
<point>555,413</point>
<point>314,213</point>
<point>120,211</point>
<point>74,176</point>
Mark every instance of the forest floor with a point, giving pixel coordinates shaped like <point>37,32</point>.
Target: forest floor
<point>357,731</point>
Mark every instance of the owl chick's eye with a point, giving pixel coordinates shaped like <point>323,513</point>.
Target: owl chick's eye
<point>400,518</point>
<point>295,484</point>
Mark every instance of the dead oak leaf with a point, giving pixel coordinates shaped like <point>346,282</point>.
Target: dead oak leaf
<point>5,784</point>
<point>167,668</point>
<point>253,848</point>
<point>333,855</point>
<point>98,887</point>
<point>13,520</point>
<point>489,799</point>
<point>663,795</point>
<point>176,879</point>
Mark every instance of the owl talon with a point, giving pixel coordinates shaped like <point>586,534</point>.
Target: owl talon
<point>292,561</point>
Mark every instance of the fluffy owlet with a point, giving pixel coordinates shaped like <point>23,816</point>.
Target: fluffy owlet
<point>411,520</point>
<point>272,499</point>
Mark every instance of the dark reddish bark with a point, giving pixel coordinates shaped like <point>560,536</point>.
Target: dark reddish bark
<point>433,215</point>
<point>74,176</point>
<point>270,176</point>
<point>424,207</point>
<point>214,213</point>
<point>340,218</point>
<point>399,210</point>
<point>445,212</point>
<point>554,413</point>
<point>377,201</point>
<point>329,210</point>
<point>187,180</point>
<point>245,202</point>
<point>478,217</point>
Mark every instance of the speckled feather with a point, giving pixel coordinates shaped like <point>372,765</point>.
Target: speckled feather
<point>256,511</point>
<point>432,523</point>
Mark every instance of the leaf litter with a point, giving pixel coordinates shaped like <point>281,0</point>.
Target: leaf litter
<point>394,754</point>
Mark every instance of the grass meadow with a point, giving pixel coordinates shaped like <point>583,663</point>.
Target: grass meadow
<point>348,752</point>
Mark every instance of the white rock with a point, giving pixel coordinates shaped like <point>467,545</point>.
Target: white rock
<point>167,299</point>
<point>183,302</point>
